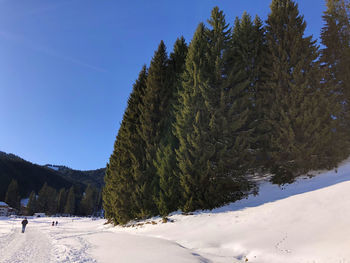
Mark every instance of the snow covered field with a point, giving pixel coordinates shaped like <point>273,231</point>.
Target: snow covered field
<point>305,222</point>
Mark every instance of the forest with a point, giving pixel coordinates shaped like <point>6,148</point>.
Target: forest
<point>255,98</point>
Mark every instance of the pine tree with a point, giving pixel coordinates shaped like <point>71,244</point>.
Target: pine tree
<point>51,201</point>
<point>210,122</point>
<point>247,54</point>
<point>87,204</point>
<point>298,112</point>
<point>31,206</point>
<point>61,200</point>
<point>12,197</point>
<point>169,198</point>
<point>107,196</point>
<point>42,199</point>
<point>47,200</point>
<point>335,57</point>
<point>155,111</point>
<point>127,161</point>
<point>70,204</point>
<point>192,128</point>
<point>98,204</point>
<point>228,103</point>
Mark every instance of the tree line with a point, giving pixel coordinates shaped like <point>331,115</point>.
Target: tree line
<point>65,201</point>
<point>254,98</point>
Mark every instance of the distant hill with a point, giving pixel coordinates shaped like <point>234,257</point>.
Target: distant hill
<point>32,176</point>
<point>93,177</point>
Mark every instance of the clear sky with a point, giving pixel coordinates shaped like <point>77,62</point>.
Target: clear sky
<point>67,67</point>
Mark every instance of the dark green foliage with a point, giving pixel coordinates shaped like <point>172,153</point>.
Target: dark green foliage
<point>107,196</point>
<point>212,122</point>
<point>88,202</point>
<point>335,36</point>
<point>193,155</point>
<point>98,204</point>
<point>61,200</point>
<point>47,200</point>
<point>12,197</point>
<point>169,197</point>
<point>70,204</point>
<point>245,60</point>
<point>298,113</point>
<point>228,126</point>
<point>238,101</point>
<point>32,204</point>
<point>127,161</point>
<point>154,126</point>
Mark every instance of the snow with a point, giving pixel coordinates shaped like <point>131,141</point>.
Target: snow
<point>3,204</point>
<point>56,168</point>
<point>304,222</point>
<point>31,247</point>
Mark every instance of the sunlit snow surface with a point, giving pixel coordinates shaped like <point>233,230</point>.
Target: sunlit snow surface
<point>305,222</point>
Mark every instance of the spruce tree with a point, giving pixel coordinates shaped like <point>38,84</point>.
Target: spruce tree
<point>154,124</point>
<point>87,204</point>
<point>169,197</point>
<point>107,196</point>
<point>70,204</point>
<point>127,161</point>
<point>12,197</point>
<point>228,102</point>
<point>98,204</point>
<point>192,128</point>
<point>42,199</point>
<point>61,200</point>
<point>51,201</point>
<point>298,110</point>
<point>47,200</point>
<point>211,123</point>
<point>31,206</point>
<point>247,54</point>
<point>335,58</point>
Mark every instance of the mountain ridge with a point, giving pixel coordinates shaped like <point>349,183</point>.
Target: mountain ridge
<point>31,176</point>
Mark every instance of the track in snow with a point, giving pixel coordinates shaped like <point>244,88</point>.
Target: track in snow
<point>32,246</point>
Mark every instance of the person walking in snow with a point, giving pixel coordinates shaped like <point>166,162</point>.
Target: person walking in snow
<point>24,224</point>
<point>53,223</point>
<point>56,223</point>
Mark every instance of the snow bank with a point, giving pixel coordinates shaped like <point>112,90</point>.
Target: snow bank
<point>304,222</point>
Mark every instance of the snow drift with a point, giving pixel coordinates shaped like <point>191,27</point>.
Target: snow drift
<point>304,222</point>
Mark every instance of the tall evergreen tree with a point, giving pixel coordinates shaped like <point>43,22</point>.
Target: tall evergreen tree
<point>228,102</point>
<point>193,131</point>
<point>98,204</point>
<point>61,200</point>
<point>70,204</point>
<point>31,206</point>
<point>42,199</point>
<point>247,54</point>
<point>127,161</point>
<point>51,201</point>
<point>154,124</point>
<point>298,112</point>
<point>108,196</point>
<point>169,198</point>
<point>47,200</point>
<point>335,36</point>
<point>87,204</point>
<point>12,197</point>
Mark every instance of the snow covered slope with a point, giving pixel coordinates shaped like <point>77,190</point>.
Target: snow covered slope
<point>305,222</point>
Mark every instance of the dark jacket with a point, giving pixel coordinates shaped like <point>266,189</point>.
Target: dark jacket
<point>25,222</point>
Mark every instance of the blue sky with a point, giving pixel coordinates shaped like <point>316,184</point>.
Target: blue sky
<point>67,67</point>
